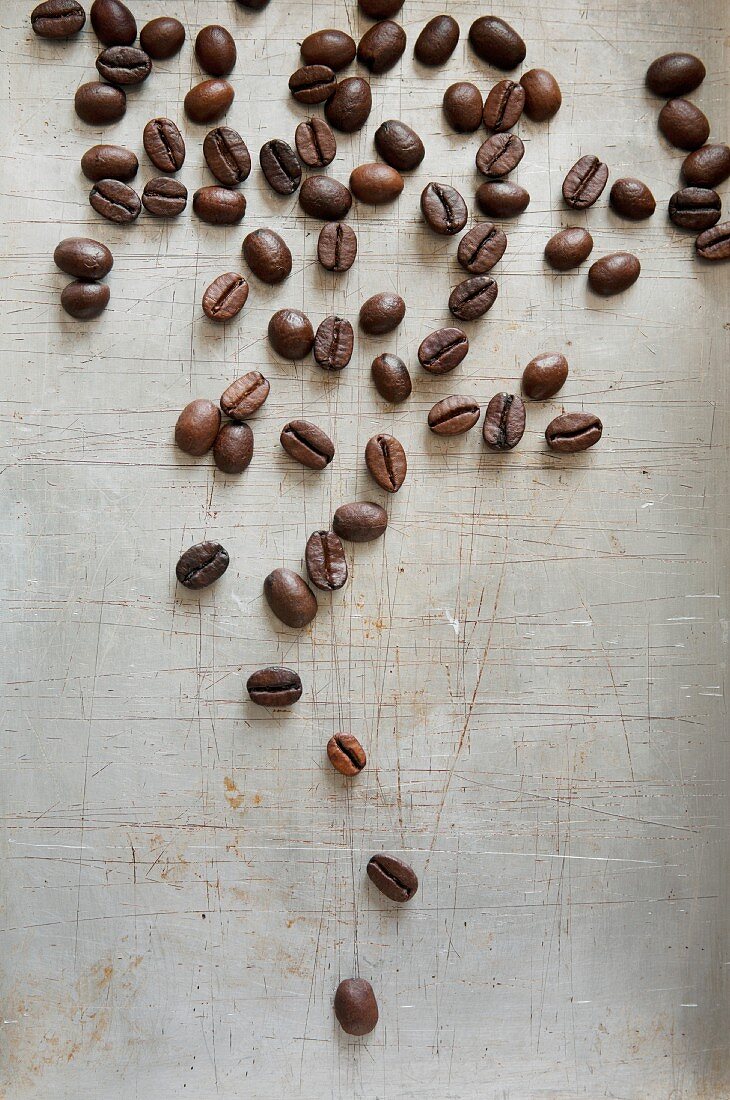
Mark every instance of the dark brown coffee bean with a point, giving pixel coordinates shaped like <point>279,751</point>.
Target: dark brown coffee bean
<point>375,183</point>
<point>443,208</point>
<point>544,376</point>
<point>329,47</point>
<point>197,427</point>
<point>164,197</point>
<point>675,74</point>
<point>393,877</point>
<point>333,343</point>
<point>443,350</point>
<point>253,5</point>
<point>162,37</point>
<point>684,124</point>
<point>291,334</point>
<point>380,9</point>
<point>274,687</point>
<point>290,598</point>
<point>57,18</point>
<point>355,1006</point>
<point>207,101</point>
<point>164,144</point>
<point>695,208</point>
<point>481,248</point>
<point>202,564</point>
<point>386,460</point>
<point>614,273</point>
<point>115,201</point>
<point>573,432</point>
<point>568,248</point>
<point>267,255</point>
<point>391,378</point>
<point>85,301</point>
<point>227,156</point>
<point>437,41</point>
<point>325,198</point>
<point>219,205</point>
<point>99,104</point>
<point>463,107</point>
<point>502,199</point>
<point>382,313</point>
<point>714,244</point>
<point>113,23</point>
<point>109,162</point>
<point>503,106</point>
<point>473,297</point>
<point>543,97</point>
<point>307,444</point>
<point>453,415</point>
<point>361,521</point>
<point>244,396</point>
<point>326,561</point>
<point>584,182</point>
<point>708,166</point>
<point>632,199</point>
<point>233,449</point>
<point>225,297</point>
<point>337,246</point>
<point>349,108</point>
<point>280,166</point>
<point>399,145</point>
<point>495,42</point>
<point>215,50</point>
<point>499,154</point>
<point>504,422</point>
<point>346,754</point>
<point>124,65</point>
<point>382,46</point>
<point>313,84</point>
<point>315,142</point>
<point>83,258</point>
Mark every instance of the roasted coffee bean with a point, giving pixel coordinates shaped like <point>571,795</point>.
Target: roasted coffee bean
<point>386,460</point>
<point>215,50</point>
<point>109,162</point>
<point>399,145</point>
<point>632,199</point>
<point>495,42</point>
<point>315,142</point>
<point>542,94</point>
<point>376,183</point>
<point>307,444</point>
<point>124,65</point>
<point>544,376</point>
<point>453,415</point>
<point>499,154</point>
<point>197,427</point>
<point>584,182</point>
<point>325,198</point>
<point>313,84</point>
<point>502,199</point>
<point>225,297</point>
<point>99,104</point>
<point>329,47</point>
<point>393,877</point>
<point>443,208</point>
<point>355,1006</point>
<point>391,378</point>
<point>113,23</point>
<point>291,334</point>
<point>57,18</point>
<point>463,107</point>
<point>346,754</point>
<point>290,598</point>
<point>361,521</point>
<point>207,101</point>
<point>503,106</point>
<point>437,41</point>
<point>337,246</point>
<point>708,166</point>
<point>233,448</point>
<point>568,248</point>
<point>227,156</point>
<point>326,561</point>
<point>573,432</point>
<point>164,197</point>
<point>714,244</point>
<point>382,313</point>
<point>695,208</point>
<point>202,564</point>
<point>280,166</point>
<point>274,687</point>
<point>333,343</point>
<point>164,144</point>
<point>84,301</point>
<point>382,46</point>
<point>380,9</point>
<point>115,201</point>
<point>349,108</point>
<point>219,205</point>
<point>684,124</point>
<point>267,255</point>
<point>675,74</point>
<point>83,258</point>
<point>253,5</point>
<point>614,273</point>
<point>443,350</point>
<point>481,248</point>
<point>162,38</point>
<point>473,297</point>
<point>244,396</point>
<point>504,422</point>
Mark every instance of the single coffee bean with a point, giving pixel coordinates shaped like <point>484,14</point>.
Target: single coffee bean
<point>162,37</point>
<point>496,42</point>
<point>695,208</point>
<point>543,97</point>
<point>443,208</point>
<point>290,598</point>
<point>481,248</point>
<point>202,564</point>
<point>386,460</point>
<point>675,74</point>
<point>233,449</point>
<point>463,107</point>
<point>391,378</point>
<point>227,156</point>
<point>333,343</point>
<point>361,521</point>
<point>568,248</point>
<point>573,432</point>
<point>614,273</point>
<point>349,108</point>
<point>85,301</point>
<point>382,46</point>
<point>504,422</point>
<point>346,754</point>
<point>502,199</point>
<point>355,1006</point>
<point>382,313</point>
<point>215,50</point>
<point>315,142</point>
<point>313,84</point>
<point>584,182</point>
<point>684,124</point>
<point>219,205</point>
<point>393,877</point>
<point>329,47</point>
<point>473,297</point>
<point>253,5</point>
<point>380,9</point>
<point>99,104</point>
<point>325,198</point>
<point>291,334</point>
<point>503,106</point>
<point>376,183</point>
<point>399,145</point>
<point>124,65</point>
<point>437,41</point>
<point>197,427</point>
<point>113,23</point>
<point>307,444</point>
<point>544,376</point>
<point>57,18</point>
<point>453,415</point>
<point>443,350</point>
<point>115,201</point>
<point>225,297</point>
<point>207,101</point>
<point>326,561</point>
<point>164,144</point>
<point>714,244</point>
<point>164,197</point>
<point>83,258</point>
<point>267,255</point>
<point>109,162</point>
<point>708,166</point>
<point>632,199</point>
<point>280,166</point>
<point>244,396</point>
<point>337,246</point>
<point>499,154</point>
<point>274,687</point>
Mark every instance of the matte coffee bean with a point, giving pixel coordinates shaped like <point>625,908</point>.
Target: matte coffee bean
<point>326,561</point>
<point>437,41</point>
<point>83,258</point>
<point>614,273</point>
<point>280,166</point>
<point>473,297</point>
<point>244,396</point>
<point>315,142</point>
<point>164,197</point>
<point>380,9</point>
<point>443,208</point>
<point>329,47</point>
<point>568,248</point>
<point>227,156</point>
<point>496,42</point>
<point>573,432</point>
<point>325,198</point>
<point>313,84</point>
<point>346,754</point>
<point>115,201</point>
<point>499,155</point>
<point>453,415</point>
<point>124,65</point>
<point>695,208</point>
<point>197,427</point>
<point>585,182</point>
<point>333,343</point>
<point>99,104</point>
<point>57,18</point>
<point>290,598</point>
<point>225,297</point>
<point>164,144</point>
<point>684,124</point>
<point>502,199</point>
<point>219,205</point>
<point>109,162</point>
<point>675,74</point>
<point>714,244</point>
<point>349,108</point>
<point>481,248</point>
<point>386,460</point>
<point>708,166</point>
<point>632,199</point>
<point>307,444</point>
<point>267,255</point>
<point>463,107</point>
<point>443,350</point>
<point>85,301</point>
<point>376,183</point>
<point>504,422</point>
<point>215,50</point>
<point>233,448</point>
<point>503,106</point>
<point>113,23</point>
<point>337,246</point>
<point>393,877</point>
<point>382,46</point>
<point>207,101</point>
<point>202,564</point>
<point>253,5</point>
<point>291,334</point>
<point>355,1006</point>
<point>544,376</point>
<point>391,378</point>
<point>381,313</point>
<point>361,521</point>
<point>399,145</point>
<point>274,687</point>
<point>543,97</point>
<point>162,37</point>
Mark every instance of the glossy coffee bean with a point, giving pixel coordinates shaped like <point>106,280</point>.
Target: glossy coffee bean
<point>308,444</point>
<point>503,106</point>
<point>496,42</point>
<point>197,427</point>
<point>99,104</point>
<point>453,415</point>
<point>274,687</point>
<point>441,351</point>
<point>349,108</point>
<point>124,65</point>
<point>463,107</point>
<point>708,166</point>
<point>115,201</point>
<point>502,199</point>
<point>164,197</point>
<point>473,297</point>
<point>109,162</point>
<point>329,47</point>
<point>267,255</point>
<point>164,144</point>
<point>585,182</point>
<point>544,376</point>
<point>391,378</point>
<point>382,313</point>
<point>393,877</point>
<point>325,198</point>
<point>162,37</point>
<point>244,396</point>
<point>684,124</point>
<point>113,23</point>
<point>291,334</point>
<point>382,46</point>
<point>375,183</point>
<point>337,246</point>
<point>399,145</point>
<point>233,448</point>
<point>219,205</point>
<point>568,248</point>
<point>504,422</point>
<point>675,74</point>
<point>614,273</point>
<point>280,166</point>
<point>84,300</point>
<point>83,258</point>
<point>443,208</point>
<point>695,208</point>
<point>543,97</point>
<point>355,1006</point>
<point>57,18</point>
<point>632,199</point>
<point>227,156</point>
<point>346,754</point>
<point>386,460</point>
<point>481,248</point>
<point>573,432</point>
<point>714,244</point>
<point>290,598</point>
<point>361,521</point>
<point>202,564</point>
<point>437,41</point>
<point>225,297</point>
<point>315,142</point>
<point>207,101</point>
<point>313,84</point>
<point>380,9</point>
<point>499,155</point>
<point>326,562</point>
<point>215,50</point>
<point>333,343</point>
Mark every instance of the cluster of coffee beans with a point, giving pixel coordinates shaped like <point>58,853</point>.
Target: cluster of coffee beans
<point>88,262</point>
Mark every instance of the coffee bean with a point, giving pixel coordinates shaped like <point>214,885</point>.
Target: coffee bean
<point>233,449</point>
<point>443,350</point>
<point>382,313</point>
<point>162,37</point>
<point>568,248</point>
<point>632,199</point>
<point>267,255</point>
<point>333,343</point>
<point>481,248</point>
<point>315,142</point>
<point>393,877</point>
<point>109,162</point>
<point>115,201</point>
<point>329,47</point>
<point>124,65</point>
<point>502,199</point>
<point>543,97</point>
<point>573,432</point>
<point>503,106</point>
<point>675,74</point>
<point>380,9</point>
<point>504,422</point>
<point>83,258</point>
<point>225,297</point>
<point>326,561</point>
<point>391,378</point>
<point>695,208</point>
<point>84,301</point>
<point>443,208</point>
<point>227,156</point>
<point>496,42</point>
<point>361,521</point>
<point>202,564</point>
<point>473,297</point>
<point>349,108</point>
<point>164,144</point>
<point>253,5</point>
<point>382,46</point>
<point>355,1006</point>
<point>584,182</point>
<point>325,198</point>
<point>714,244</point>
<point>614,273</point>
<point>219,205</point>
<point>399,145</point>
<point>544,376</point>
<point>437,41</point>
<point>244,396</point>
<point>197,427</point>
<point>683,124</point>
<point>313,84</point>
<point>291,334</point>
<point>215,50</point>
<point>346,754</point>
<point>99,104</point>
<point>386,460</point>
<point>453,415</point>
<point>207,101</point>
<point>499,154</point>
<point>376,183</point>
<point>274,687</point>
<point>463,107</point>
<point>708,166</point>
<point>290,598</point>
<point>57,18</point>
<point>280,166</point>
<point>113,23</point>
<point>307,444</point>
<point>337,246</point>
<point>164,197</point>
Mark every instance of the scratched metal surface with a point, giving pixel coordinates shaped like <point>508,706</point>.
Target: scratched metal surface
<point>534,655</point>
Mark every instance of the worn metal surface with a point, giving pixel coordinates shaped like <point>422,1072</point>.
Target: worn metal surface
<point>534,655</point>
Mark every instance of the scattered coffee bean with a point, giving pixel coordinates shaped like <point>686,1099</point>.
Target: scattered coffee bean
<point>708,166</point>
<point>280,166</point>
<point>253,5</point>
<point>632,199</point>
<point>326,561</point>
<point>325,198</point>
<point>499,154</point>
<point>443,350</point>
<point>376,183</point>
<point>164,197</point>
<point>573,432</point>
<point>219,205</point>
<point>584,182</point>
<point>675,74</point>
<point>202,564</point>
<point>382,46</point>
<point>290,598</point>
<point>225,297</point>
<point>684,124</point>
<point>481,248</point>
<point>315,142</point>
<point>85,301</point>
<point>109,162</point>
<point>504,422</point>
<point>337,246</point>
<point>443,208</point>
<point>473,297</point>
<point>714,244</point>
<point>267,255</point>
<point>83,258</point>
<point>399,145</point>
<point>244,396</point>
<point>386,460</point>
<point>349,108</point>
<point>113,23</point>
<point>614,273</point>
<point>215,50</point>
<point>496,42</point>
<point>307,444</point>
<point>162,38</point>
<point>544,376</point>
<point>115,201</point>
<point>361,521</point>
<point>380,9</point>
<point>291,334</point>
<point>346,754</point>
<point>329,47</point>
<point>207,101</point>
<point>543,97</point>
<point>197,427</point>
<point>393,877</point>
<point>333,343</point>
<point>99,104</point>
<point>503,106</point>
<point>382,313</point>
<point>355,1006</point>
<point>502,199</point>
<point>124,65</point>
<point>274,687</point>
<point>57,18</point>
<point>164,144</point>
<point>227,156</point>
<point>695,208</point>
<point>568,248</point>
<point>437,41</point>
<point>313,84</point>
<point>463,107</point>
<point>391,378</point>
<point>233,448</point>
<point>453,415</point>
